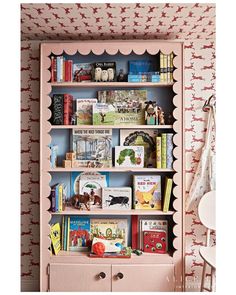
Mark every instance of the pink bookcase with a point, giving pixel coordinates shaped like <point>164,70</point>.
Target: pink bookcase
<point>71,271</point>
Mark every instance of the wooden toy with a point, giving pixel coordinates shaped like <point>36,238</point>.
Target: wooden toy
<point>70,156</point>
<point>66,164</point>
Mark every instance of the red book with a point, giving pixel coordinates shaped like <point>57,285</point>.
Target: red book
<point>134,220</point>
<point>66,71</point>
<point>70,62</point>
<point>154,241</point>
<point>68,108</point>
<point>53,69</point>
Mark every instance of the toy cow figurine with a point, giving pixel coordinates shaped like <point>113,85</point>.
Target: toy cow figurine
<point>151,113</point>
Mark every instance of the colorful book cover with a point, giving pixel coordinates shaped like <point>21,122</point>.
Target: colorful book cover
<point>68,109</point>
<point>57,109</point>
<point>163,150</point>
<point>55,235</point>
<point>110,229</point>
<point>79,237</point>
<point>104,71</point>
<point>158,152</point>
<point>147,192</point>
<point>129,137</point>
<point>82,72</point>
<point>132,156</point>
<point>140,66</point>
<point>154,242</point>
<point>93,147</point>
<point>103,114</point>
<point>129,105</point>
<point>169,150</point>
<point>167,194</point>
<point>84,110</point>
<point>116,198</point>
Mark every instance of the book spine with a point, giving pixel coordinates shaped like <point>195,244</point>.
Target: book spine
<point>168,68</point>
<point>163,150</point>
<point>57,197</point>
<point>57,109</point>
<point>70,64</point>
<point>161,67</point>
<point>68,109</point>
<point>52,69</point>
<point>168,188</point>
<point>60,197</point>
<point>58,68</point>
<point>53,200</point>
<point>169,150</point>
<point>62,69</point>
<point>134,219</point>
<point>62,232</point>
<point>66,70</point>
<point>65,234</point>
<point>158,151</point>
<point>165,68</point>
<point>171,67</point>
<point>68,234</point>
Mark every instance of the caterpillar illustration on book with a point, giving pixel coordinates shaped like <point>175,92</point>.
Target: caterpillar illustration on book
<point>128,153</point>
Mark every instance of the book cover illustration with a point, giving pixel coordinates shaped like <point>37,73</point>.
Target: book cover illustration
<point>116,198</point>
<point>84,110</point>
<point>103,114</point>
<point>82,72</point>
<point>104,71</point>
<point>132,156</point>
<point>79,236</point>
<point>115,230</point>
<point>129,105</point>
<point>55,235</point>
<point>147,192</point>
<point>57,109</point>
<point>154,242</point>
<point>129,137</point>
<point>93,148</point>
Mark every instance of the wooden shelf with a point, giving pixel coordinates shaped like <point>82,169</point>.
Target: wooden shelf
<point>110,84</point>
<point>112,126</point>
<point>73,211</point>
<point>80,257</point>
<point>113,169</point>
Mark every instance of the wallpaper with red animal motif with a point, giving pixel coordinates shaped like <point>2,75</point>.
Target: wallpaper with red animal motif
<point>194,23</point>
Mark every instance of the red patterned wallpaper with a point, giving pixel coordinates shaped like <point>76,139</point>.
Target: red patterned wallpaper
<point>194,23</point>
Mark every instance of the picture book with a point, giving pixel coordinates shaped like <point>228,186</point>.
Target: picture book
<point>84,110</point>
<point>147,192</point>
<point>131,156</point>
<point>167,194</point>
<point>55,235</point>
<point>154,241</point>
<point>128,104</point>
<point>68,109</point>
<point>110,229</point>
<point>116,198</point>
<point>93,147</point>
<point>145,138</point>
<point>79,236</point>
<point>103,114</point>
<point>140,66</point>
<point>82,72</point>
<point>104,71</point>
<point>152,225</point>
<point>158,152</point>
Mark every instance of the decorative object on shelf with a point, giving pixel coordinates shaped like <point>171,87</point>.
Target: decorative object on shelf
<point>129,137</point>
<point>169,118</point>
<point>53,155</point>
<point>82,72</point>
<point>116,198</point>
<point>161,116</point>
<point>103,114</point>
<point>151,113</point>
<point>98,248</point>
<point>132,156</point>
<point>84,110</point>
<point>104,71</point>
<point>147,192</point>
<point>70,156</point>
<point>67,164</point>
<point>73,118</point>
<point>55,235</point>
<point>154,242</point>
<point>122,77</point>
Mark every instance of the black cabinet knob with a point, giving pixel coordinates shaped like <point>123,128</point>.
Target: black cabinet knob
<point>102,275</point>
<point>120,275</point>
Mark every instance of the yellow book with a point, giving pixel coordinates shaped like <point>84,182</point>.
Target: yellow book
<point>161,67</point>
<point>60,192</point>
<point>168,68</point>
<point>68,234</point>
<point>62,232</point>
<point>55,235</point>
<point>168,189</point>
<point>163,150</point>
<point>158,151</point>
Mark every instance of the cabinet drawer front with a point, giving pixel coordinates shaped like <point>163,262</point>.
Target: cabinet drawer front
<point>143,278</point>
<point>79,277</point>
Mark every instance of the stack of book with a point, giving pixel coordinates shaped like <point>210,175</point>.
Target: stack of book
<point>164,151</point>
<point>62,109</point>
<point>166,67</point>
<point>58,197</point>
<point>61,69</point>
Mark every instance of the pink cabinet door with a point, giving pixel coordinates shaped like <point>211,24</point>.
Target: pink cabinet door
<point>79,277</point>
<point>143,278</point>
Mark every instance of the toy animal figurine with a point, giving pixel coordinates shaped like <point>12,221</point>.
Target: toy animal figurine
<point>98,75</point>
<point>111,74</point>
<point>78,200</point>
<point>151,113</point>
<point>102,117</point>
<point>104,76</point>
<point>121,76</point>
<point>161,116</point>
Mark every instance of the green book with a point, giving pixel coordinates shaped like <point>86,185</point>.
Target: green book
<point>163,150</point>
<point>168,189</point>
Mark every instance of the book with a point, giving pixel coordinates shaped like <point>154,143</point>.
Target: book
<point>68,109</point>
<point>53,69</point>
<point>62,232</point>
<point>84,110</point>
<point>93,147</point>
<point>116,198</point>
<point>165,68</point>
<point>82,72</point>
<point>57,109</point>
<point>65,234</point>
<point>168,69</point>
<point>55,235</point>
<point>140,66</point>
<point>158,152</point>
<point>171,67</point>
<point>68,234</point>
<point>129,137</point>
<point>163,150</point>
<point>58,65</point>
<point>92,185</point>
<point>152,225</point>
<point>79,236</point>
<point>147,192</point>
<point>169,150</point>
<point>161,67</point>
<point>115,230</point>
<point>104,71</point>
<point>167,194</point>
<point>103,114</point>
<point>68,70</point>
<point>129,105</point>
<point>131,156</point>
<point>53,199</point>
<point>154,241</point>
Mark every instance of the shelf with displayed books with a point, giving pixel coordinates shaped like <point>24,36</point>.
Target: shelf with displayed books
<point>112,126</point>
<point>113,84</point>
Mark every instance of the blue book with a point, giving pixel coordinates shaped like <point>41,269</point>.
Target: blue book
<point>65,233</point>
<point>79,236</point>
<point>169,150</point>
